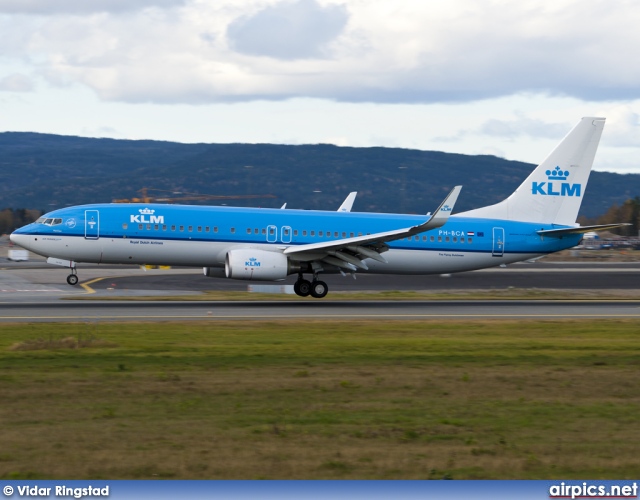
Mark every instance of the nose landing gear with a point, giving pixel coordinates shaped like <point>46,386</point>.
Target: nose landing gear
<point>72,279</point>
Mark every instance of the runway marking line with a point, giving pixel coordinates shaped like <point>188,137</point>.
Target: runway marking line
<point>86,286</point>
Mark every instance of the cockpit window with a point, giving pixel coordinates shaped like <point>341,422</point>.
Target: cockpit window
<point>49,222</point>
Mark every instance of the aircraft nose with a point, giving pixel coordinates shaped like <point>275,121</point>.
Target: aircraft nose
<point>20,239</point>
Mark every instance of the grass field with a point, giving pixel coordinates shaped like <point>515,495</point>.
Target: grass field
<point>321,399</point>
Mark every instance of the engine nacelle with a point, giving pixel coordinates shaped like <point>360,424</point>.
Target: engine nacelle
<point>259,265</point>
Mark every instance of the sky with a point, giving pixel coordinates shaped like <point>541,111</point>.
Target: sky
<point>465,76</point>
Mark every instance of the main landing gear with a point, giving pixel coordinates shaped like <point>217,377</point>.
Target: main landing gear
<point>316,288</point>
<point>72,279</point>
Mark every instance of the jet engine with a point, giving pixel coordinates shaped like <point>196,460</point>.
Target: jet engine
<point>259,265</point>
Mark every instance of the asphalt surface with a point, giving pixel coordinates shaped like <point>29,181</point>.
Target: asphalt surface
<point>619,277</point>
<point>322,310</point>
<point>32,291</point>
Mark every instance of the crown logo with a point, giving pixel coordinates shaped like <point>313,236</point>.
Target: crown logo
<point>557,174</point>
<point>146,211</point>
<point>253,259</point>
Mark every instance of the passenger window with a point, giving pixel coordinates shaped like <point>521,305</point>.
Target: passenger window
<point>206,229</point>
<point>461,240</point>
<point>233,230</point>
<point>156,227</point>
<point>148,227</point>
<point>124,225</point>
<point>439,238</point>
<point>351,235</point>
<point>431,238</point>
<point>140,226</point>
<point>417,238</point>
<point>344,235</point>
<point>173,228</point>
<point>359,234</point>
<point>256,231</point>
<point>286,232</point>
<point>319,233</point>
<point>313,233</point>
<point>272,231</point>
<point>304,233</point>
<point>335,235</point>
<point>295,232</point>
<point>215,229</point>
<point>455,240</point>
<point>264,231</point>
<point>248,230</point>
<point>181,228</point>
<point>469,240</point>
<point>199,229</point>
<point>164,227</point>
<point>446,239</point>
<point>190,228</point>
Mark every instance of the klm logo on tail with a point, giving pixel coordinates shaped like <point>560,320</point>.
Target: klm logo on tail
<point>547,188</point>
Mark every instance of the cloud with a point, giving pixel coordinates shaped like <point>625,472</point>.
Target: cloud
<point>49,7</point>
<point>296,30</point>
<point>16,83</point>
<point>405,51</point>
<point>512,129</point>
<point>622,128</point>
<point>523,126</point>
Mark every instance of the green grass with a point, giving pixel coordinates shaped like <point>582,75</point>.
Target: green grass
<point>321,399</point>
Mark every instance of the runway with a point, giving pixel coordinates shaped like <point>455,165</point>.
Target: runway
<point>34,292</point>
<point>316,310</point>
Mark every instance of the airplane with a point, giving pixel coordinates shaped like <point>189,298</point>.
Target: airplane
<point>259,244</point>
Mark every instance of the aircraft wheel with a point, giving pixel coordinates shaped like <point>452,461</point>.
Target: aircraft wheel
<point>302,288</point>
<point>319,289</point>
<point>72,279</point>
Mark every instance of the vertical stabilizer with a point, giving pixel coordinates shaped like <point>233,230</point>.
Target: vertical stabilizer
<point>553,192</point>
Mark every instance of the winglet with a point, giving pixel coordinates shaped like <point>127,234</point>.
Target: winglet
<point>441,215</point>
<point>347,204</point>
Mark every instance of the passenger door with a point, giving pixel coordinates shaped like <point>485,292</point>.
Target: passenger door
<point>91,224</point>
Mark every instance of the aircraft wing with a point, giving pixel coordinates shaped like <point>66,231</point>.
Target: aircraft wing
<point>349,252</point>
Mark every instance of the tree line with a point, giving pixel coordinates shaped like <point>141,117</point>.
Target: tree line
<point>628,212</point>
<point>13,218</point>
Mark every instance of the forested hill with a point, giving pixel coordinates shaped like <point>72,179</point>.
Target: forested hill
<point>48,171</point>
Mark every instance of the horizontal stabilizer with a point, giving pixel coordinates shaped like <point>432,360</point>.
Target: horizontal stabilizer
<point>579,230</point>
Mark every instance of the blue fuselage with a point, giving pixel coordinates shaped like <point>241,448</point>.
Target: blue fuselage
<point>201,236</point>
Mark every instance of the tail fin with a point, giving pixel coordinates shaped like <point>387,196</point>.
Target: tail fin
<point>553,192</point>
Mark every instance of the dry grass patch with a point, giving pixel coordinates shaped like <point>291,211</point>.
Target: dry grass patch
<point>323,400</point>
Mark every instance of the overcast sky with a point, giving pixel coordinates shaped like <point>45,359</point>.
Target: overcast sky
<point>468,76</point>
